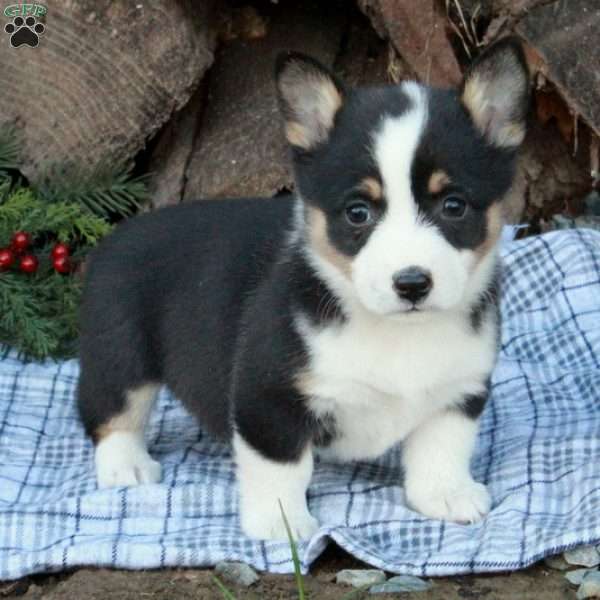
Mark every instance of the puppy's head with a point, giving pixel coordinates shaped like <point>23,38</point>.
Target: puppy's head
<point>402,185</point>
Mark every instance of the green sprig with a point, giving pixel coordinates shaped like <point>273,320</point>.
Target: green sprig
<point>38,312</point>
<point>38,315</point>
<point>10,147</point>
<point>106,191</point>
<point>24,211</point>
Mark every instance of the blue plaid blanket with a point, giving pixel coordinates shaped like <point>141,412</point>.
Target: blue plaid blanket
<point>539,453</point>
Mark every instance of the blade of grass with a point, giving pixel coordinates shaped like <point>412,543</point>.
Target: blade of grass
<point>295,559</point>
<point>226,593</point>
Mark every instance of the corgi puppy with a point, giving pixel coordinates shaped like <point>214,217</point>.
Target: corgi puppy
<point>355,314</point>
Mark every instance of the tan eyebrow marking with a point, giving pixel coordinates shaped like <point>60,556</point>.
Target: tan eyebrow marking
<point>438,180</point>
<point>372,188</point>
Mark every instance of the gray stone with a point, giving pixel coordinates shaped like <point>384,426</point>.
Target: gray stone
<point>562,222</point>
<point>588,222</point>
<point>577,576</point>
<point>360,577</point>
<point>557,562</point>
<point>237,573</point>
<point>590,587</point>
<point>592,204</point>
<point>582,222</point>
<point>401,583</point>
<point>585,556</point>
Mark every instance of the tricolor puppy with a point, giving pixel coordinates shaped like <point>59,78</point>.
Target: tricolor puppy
<point>355,314</point>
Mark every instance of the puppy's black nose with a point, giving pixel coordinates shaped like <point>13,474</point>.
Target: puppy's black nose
<point>412,284</point>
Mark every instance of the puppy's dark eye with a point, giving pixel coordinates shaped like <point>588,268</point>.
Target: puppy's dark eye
<point>358,213</point>
<point>454,207</point>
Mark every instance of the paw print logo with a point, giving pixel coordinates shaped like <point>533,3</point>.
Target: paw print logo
<point>24,32</point>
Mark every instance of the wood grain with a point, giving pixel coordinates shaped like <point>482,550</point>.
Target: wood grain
<point>104,78</point>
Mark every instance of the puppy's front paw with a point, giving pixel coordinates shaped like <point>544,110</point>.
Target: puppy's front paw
<point>268,486</point>
<point>464,502</point>
<point>264,524</point>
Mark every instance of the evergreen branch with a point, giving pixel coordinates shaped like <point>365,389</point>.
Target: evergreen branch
<point>105,191</point>
<point>38,314</point>
<point>10,148</point>
<point>5,187</point>
<point>69,221</point>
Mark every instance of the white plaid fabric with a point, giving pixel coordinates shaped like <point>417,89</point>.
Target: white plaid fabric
<point>539,453</point>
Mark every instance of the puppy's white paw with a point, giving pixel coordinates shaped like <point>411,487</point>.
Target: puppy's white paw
<point>266,486</point>
<point>122,460</point>
<point>131,471</point>
<point>264,524</point>
<point>465,502</point>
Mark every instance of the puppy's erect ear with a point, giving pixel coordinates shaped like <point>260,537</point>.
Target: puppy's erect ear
<point>309,97</point>
<point>496,92</point>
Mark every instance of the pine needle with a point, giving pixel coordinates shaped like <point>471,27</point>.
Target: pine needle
<point>107,191</point>
<point>10,148</point>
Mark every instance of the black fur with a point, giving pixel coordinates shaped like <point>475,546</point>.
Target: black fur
<point>161,304</point>
<point>474,404</point>
<point>452,144</point>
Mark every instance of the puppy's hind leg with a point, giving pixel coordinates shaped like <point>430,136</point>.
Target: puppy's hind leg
<point>122,458</point>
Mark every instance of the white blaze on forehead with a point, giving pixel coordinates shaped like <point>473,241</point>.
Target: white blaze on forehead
<point>394,148</point>
<point>402,238</point>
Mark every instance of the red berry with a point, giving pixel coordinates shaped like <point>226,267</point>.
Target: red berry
<point>62,264</point>
<point>60,250</point>
<point>6,258</point>
<point>29,263</point>
<point>21,240</point>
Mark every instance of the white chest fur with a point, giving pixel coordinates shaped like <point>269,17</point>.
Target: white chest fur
<point>379,378</point>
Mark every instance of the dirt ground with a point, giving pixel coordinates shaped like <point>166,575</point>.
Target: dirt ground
<point>535,583</point>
